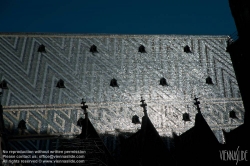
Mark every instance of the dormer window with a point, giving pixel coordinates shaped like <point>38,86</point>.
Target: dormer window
<point>60,84</point>
<point>209,80</point>
<point>163,82</point>
<point>187,49</point>
<point>3,85</point>
<point>142,49</point>
<point>93,49</point>
<point>22,125</point>
<point>186,117</point>
<point>41,48</point>
<point>135,119</point>
<point>232,114</point>
<point>113,83</point>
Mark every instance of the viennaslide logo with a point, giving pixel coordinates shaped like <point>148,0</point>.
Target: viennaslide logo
<point>233,155</point>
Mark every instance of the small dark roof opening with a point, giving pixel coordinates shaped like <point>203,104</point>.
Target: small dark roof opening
<point>186,117</point>
<point>60,84</point>
<point>3,85</point>
<point>93,49</point>
<point>135,119</point>
<point>41,48</point>
<point>113,83</point>
<point>232,114</point>
<point>209,80</point>
<point>163,81</point>
<point>22,125</point>
<point>142,49</point>
<point>187,49</point>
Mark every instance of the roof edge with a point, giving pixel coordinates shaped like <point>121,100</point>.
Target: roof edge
<point>39,34</point>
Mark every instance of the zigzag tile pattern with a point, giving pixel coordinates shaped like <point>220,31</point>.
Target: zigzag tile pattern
<point>32,79</point>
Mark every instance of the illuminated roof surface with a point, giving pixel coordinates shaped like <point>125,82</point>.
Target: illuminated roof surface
<point>32,78</point>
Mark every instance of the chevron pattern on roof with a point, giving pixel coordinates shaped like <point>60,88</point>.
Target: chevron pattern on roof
<point>32,78</point>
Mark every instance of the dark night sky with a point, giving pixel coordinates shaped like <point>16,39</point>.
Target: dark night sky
<point>187,17</point>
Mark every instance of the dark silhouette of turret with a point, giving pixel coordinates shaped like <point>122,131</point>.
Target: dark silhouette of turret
<point>198,145</point>
<point>145,147</point>
<point>90,141</point>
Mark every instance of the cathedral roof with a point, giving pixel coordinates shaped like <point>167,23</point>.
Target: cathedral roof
<point>33,78</point>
